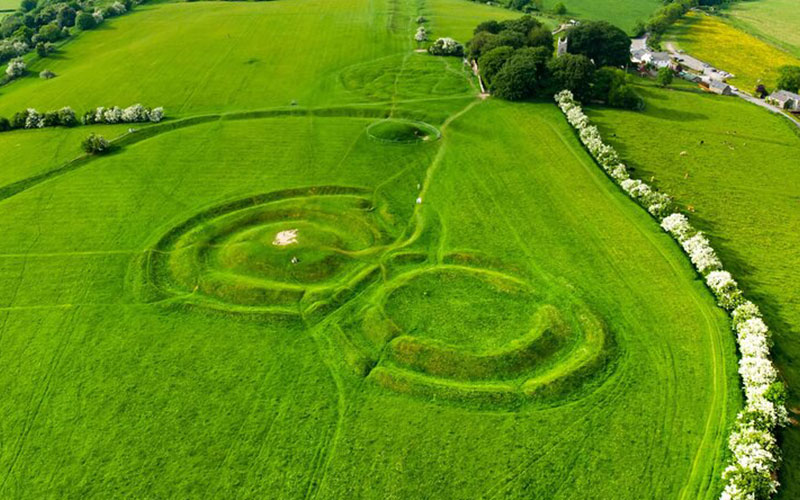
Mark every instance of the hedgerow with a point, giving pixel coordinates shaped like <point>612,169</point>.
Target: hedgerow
<point>756,457</point>
<point>65,117</point>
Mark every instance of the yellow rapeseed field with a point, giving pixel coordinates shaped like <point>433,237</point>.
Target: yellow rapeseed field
<point>751,60</point>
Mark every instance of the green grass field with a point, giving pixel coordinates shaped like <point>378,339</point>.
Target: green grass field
<point>743,184</point>
<point>622,13</point>
<point>750,60</point>
<point>775,21</point>
<point>392,289</point>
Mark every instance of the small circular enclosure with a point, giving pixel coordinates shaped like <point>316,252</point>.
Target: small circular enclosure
<point>402,131</point>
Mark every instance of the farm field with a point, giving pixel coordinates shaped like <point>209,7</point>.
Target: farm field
<point>743,185</point>
<point>709,39</point>
<point>335,272</point>
<point>622,13</point>
<point>773,20</point>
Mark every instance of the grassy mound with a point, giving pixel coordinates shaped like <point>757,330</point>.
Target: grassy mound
<point>402,131</point>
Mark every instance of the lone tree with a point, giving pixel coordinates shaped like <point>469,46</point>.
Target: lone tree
<point>602,42</point>
<point>96,144</point>
<point>664,77</point>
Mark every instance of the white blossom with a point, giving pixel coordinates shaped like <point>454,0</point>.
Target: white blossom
<point>16,68</point>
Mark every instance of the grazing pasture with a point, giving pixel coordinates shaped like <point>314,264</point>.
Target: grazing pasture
<point>622,13</point>
<point>775,21</point>
<point>750,60</point>
<point>735,167</point>
<point>387,288</point>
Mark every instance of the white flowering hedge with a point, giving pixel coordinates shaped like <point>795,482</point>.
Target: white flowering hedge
<point>132,114</point>
<point>756,458</point>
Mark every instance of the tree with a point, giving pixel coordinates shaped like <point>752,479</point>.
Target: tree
<point>761,91</point>
<point>50,32</point>
<point>540,37</point>
<point>47,75</point>
<point>524,75</point>
<point>789,78</point>
<point>664,77</point>
<point>521,25</point>
<point>95,144</point>
<point>492,62</point>
<point>574,73</point>
<point>5,125</point>
<point>66,17</point>
<point>602,42</point>
<point>639,29</point>
<point>559,9</point>
<point>623,96</point>
<point>492,26</point>
<point>606,79</point>
<point>28,5</point>
<point>85,21</point>
<point>482,42</point>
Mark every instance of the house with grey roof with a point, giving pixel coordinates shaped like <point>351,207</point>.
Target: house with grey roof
<point>719,87</point>
<point>784,99</point>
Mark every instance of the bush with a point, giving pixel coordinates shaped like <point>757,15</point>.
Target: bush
<point>47,75</point>
<point>95,145</point>
<point>28,5</point>
<point>4,124</point>
<point>559,9</point>
<point>85,21</point>
<point>446,47</point>
<point>16,68</point>
<point>421,34</point>
<point>625,97</point>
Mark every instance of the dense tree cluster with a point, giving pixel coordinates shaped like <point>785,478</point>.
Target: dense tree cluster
<point>516,61</point>
<point>39,24</point>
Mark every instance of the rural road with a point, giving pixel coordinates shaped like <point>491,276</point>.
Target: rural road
<point>713,73</point>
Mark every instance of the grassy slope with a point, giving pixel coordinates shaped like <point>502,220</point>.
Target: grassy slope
<point>107,395</point>
<point>773,20</point>
<point>744,185</point>
<point>622,13</point>
<point>751,60</point>
<point>28,152</point>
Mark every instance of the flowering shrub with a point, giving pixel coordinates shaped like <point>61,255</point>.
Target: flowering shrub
<point>446,47</point>
<point>132,114</point>
<point>16,68</point>
<point>421,34</point>
<point>756,457</point>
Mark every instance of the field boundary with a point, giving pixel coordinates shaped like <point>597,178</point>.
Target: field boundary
<point>753,441</point>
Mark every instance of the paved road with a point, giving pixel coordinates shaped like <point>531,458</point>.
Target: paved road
<point>706,69</point>
<point>715,74</point>
<point>759,102</point>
